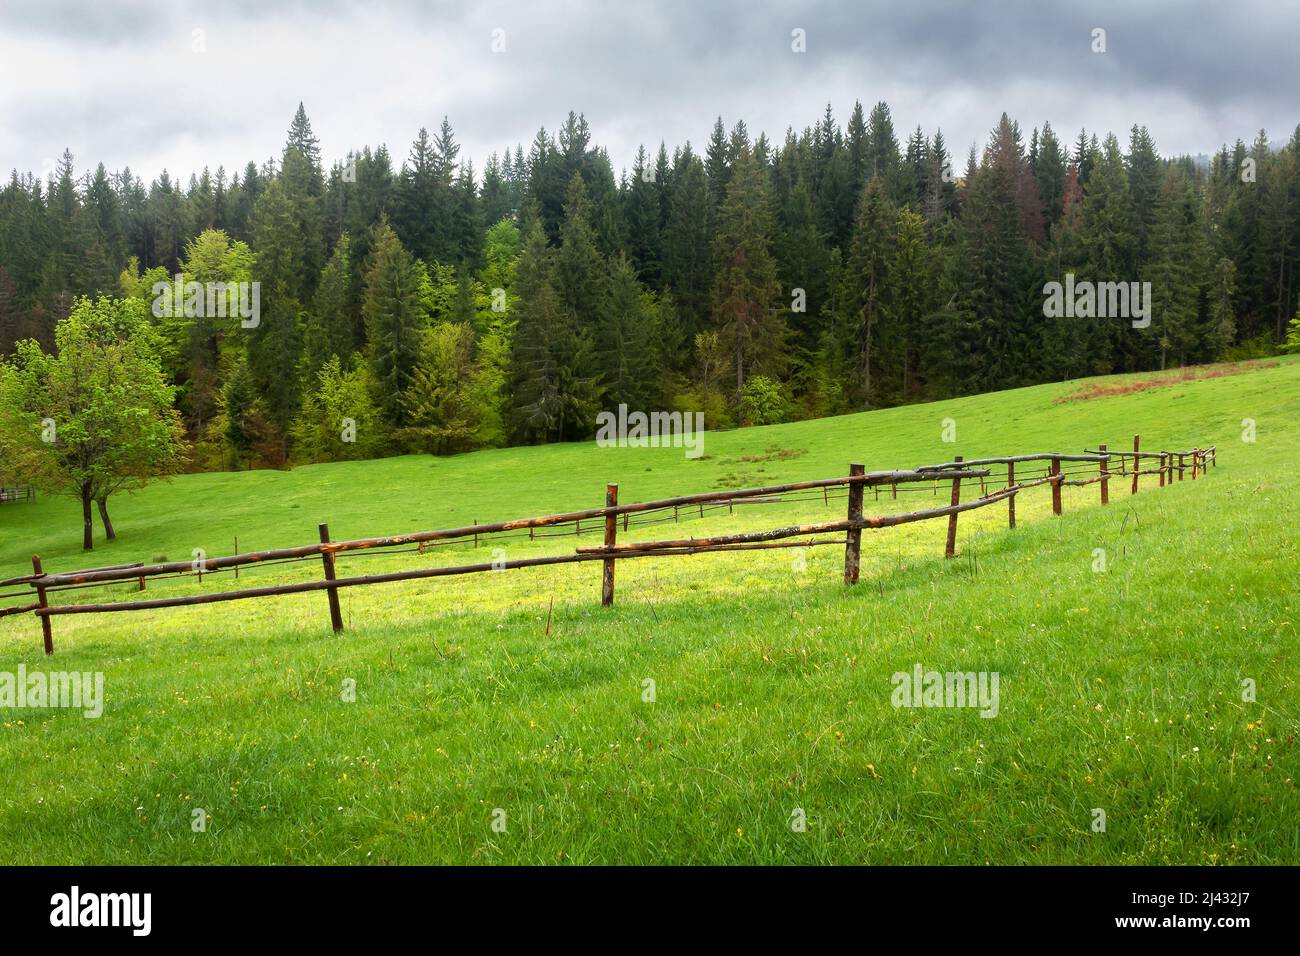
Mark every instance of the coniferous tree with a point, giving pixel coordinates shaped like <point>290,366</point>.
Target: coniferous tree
<point>394,322</point>
<point>554,397</point>
<point>746,289</point>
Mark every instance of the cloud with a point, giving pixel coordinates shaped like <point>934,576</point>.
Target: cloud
<point>126,84</point>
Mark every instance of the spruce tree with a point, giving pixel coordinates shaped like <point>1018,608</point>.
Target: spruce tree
<point>394,322</point>
<point>746,290</point>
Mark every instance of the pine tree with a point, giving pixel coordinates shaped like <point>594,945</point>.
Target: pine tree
<point>1049,174</point>
<point>332,324</point>
<point>686,252</point>
<point>416,214</point>
<point>642,218</point>
<point>1145,183</point>
<point>394,322</point>
<point>746,289</point>
<point>624,348</point>
<point>866,292</point>
<point>553,395</point>
<point>579,269</point>
<point>1176,272</point>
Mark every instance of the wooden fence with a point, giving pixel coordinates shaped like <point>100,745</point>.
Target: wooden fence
<point>999,480</point>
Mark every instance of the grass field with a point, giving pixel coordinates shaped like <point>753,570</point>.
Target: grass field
<point>1119,691</point>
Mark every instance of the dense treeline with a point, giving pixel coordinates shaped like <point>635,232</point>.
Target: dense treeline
<point>419,305</point>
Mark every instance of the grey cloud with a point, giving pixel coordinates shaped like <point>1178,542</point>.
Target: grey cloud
<point>1197,74</point>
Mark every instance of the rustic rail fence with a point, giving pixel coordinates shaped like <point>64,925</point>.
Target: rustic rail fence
<point>999,480</point>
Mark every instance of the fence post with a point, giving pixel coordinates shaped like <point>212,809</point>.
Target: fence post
<point>1056,486</point>
<point>950,549</point>
<point>853,541</point>
<point>1196,457</point>
<point>1161,469</point>
<point>1104,468</point>
<point>236,552</point>
<point>1137,463</point>
<point>327,558</point>
<point>1180,467</point>
<point>46,631</point>
<point>611,536</point>
<point>1011,500</point>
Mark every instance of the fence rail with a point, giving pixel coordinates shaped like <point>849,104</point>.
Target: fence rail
<point>1048,468</point>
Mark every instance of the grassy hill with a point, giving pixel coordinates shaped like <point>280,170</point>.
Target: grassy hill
<point>1119,690</point>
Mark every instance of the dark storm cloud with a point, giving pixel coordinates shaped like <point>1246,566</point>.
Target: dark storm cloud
<point>123,82</point>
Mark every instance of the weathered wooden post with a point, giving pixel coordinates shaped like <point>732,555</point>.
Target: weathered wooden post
<point>1136,463</point>
<point>46,631</point>
<point>1161,468</point>
<point>1180,468</point>
<point>1196,458</point>
<point>236,552</point>
<point>950,549</point>
<point>1104,469</point>
<point>1056,486</point>
<point>1011,499</point>
<point>611,537</point>
<point>853,540</point>
<point>327,558</point>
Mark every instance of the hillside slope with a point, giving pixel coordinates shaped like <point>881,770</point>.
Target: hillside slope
<point>1119,691</point>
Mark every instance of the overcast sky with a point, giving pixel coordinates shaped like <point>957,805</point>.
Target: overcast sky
<point>122,82</point>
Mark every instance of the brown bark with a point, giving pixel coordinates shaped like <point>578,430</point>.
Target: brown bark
<point>87,522</point>
<point>109,533</point>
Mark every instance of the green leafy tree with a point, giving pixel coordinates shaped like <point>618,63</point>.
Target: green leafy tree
<point>762,401</point>
<point>339,420</point>
<point>96,417</point>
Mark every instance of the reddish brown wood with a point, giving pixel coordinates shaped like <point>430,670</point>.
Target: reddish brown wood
<point>1055,471</point>
<point>950,548</point>
<point>19,609</point>
<point>1011,502</point>
<point>253,557</point>
<point>1137,463</point>
<point>853,542</point>
<point>1104,473</point>
<point>46,631</point>
<point>1196,460</point>
<point>611,537</point>
<point>327,558</point>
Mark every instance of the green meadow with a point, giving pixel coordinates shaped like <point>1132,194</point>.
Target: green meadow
<point>1146,654</point>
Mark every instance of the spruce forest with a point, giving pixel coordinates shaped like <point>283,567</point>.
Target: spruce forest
<point>437,307</point>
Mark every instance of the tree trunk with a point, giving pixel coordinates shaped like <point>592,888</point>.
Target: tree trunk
<point>87,523</point>
<point>109,533</point>
<point>866,364</point>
